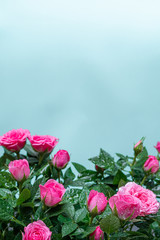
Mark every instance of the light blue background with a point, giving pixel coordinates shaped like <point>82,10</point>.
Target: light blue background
<point>87,72</point>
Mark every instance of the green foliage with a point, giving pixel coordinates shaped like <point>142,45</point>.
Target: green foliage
<point>20,204</point>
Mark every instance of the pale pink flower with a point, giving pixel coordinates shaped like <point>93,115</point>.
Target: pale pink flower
<point>149,203</point>
<point>126,205</point>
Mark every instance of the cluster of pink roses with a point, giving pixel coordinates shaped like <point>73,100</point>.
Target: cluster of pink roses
<point>15,140</point>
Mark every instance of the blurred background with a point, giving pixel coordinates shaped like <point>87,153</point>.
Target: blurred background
<point>87,72</point>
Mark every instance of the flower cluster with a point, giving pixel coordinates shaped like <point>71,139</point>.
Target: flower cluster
<point>51,203</point>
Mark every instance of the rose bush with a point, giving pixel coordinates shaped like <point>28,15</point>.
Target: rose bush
<point>39,201</point>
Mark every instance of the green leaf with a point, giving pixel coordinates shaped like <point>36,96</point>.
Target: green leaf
<point>119,175</point>
<point>5,193</point>
<point>28,204</point>
<point>68,228</point>
<point>69,174</point>
<point>18,222</point>
<point>18,236</point>
<point>110,224</point>
<point>25,194</point>
<point>30,151</point>
<point>80,214</point>
<point>6,211</point>
<point>83,197</point>
<point>63,219</point>
<point>39,212</point>
<point>6,180</point>
<point>35,187</point>
<point>105,161</point>
<point>80,168</point>
<point>88,231</point>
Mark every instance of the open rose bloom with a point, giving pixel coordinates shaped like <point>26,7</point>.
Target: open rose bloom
<point>97,234</point>
<point>61,159</point>
<point>52,192</point>
<point>139,196</point>
<point>36,231</point>
<point>42,143</point>
<point>126,205</point>
<point>152,164</point>
<point>14,140</point>
<point>19,169</point>
<point>96,203</point>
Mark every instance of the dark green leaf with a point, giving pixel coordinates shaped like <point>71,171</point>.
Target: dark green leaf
<point>25,194</point>
<point>110,224</point>
<point>80,168</point>
<point>80,214</point>
<point>68,228</point>
<point>6,211</point>
<point>119,175</point>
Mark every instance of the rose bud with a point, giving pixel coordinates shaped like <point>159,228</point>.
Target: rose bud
<point>61,159</point>
<point>126,206</point>
<point>138,147</point>
<point>96,203</point>
<point>14,140</point>
<point>19,169</point>
<point>43,143</point>
<point>52,192</point>
<point>152,164</point>
<point>99,169</point>
<point>158,147</point>
<point>36,230</point>
<point>97,234</point>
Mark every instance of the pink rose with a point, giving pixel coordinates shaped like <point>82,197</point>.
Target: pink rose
<point>158,147</point>
<point>97,202</point>
<point>60,159</point>
<point>149,204</point>
<point>97,234</point>
<point>14,140</point>
<point>52,191</point>
<point>36,231</point>
<point>19,169</point>
<point>151,164</point>
<point>126,205</point>
<point>137,144</point>
<point>43,143</point>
